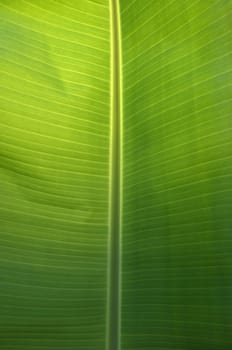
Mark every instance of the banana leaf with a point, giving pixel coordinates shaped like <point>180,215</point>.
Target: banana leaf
<point>115,175</point>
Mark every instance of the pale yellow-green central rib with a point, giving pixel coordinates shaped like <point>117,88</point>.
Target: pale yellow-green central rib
<point>113,326</point>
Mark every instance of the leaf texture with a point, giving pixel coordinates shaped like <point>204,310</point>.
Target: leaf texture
<point>54,104</point>
<point>72,272</point>
<point>176,239</point>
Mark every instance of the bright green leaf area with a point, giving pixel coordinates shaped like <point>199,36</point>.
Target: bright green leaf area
<point>55,160</point>
<point>54,105</point>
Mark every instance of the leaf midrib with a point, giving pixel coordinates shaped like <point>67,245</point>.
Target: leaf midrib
<point>115,200</point>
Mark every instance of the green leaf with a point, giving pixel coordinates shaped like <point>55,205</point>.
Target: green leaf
<point>177,175</point>
<point>55,102</point>
<point>115,178</point>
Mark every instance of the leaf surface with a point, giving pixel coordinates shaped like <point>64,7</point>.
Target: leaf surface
<point>54,105</point>
<point>176,238</point>
<point>115,178</point>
